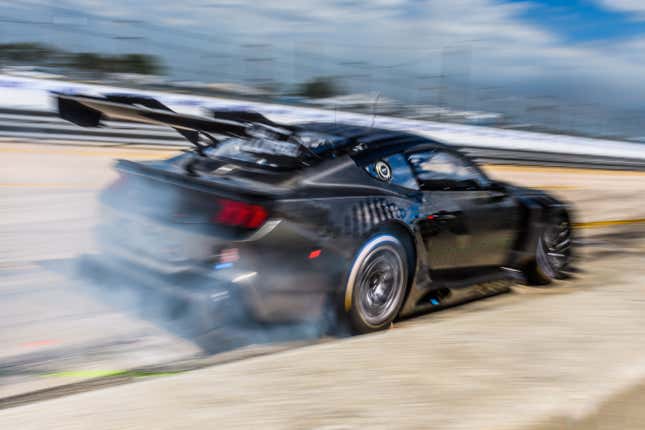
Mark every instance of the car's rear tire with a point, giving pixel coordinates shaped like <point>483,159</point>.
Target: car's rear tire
<point>376,284</point>
<point>553,252</point>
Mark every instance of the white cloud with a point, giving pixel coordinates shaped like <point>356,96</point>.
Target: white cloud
<point>636,7</point>
<point>497,44</point>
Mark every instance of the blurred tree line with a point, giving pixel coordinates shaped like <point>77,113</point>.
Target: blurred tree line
<point>127,63</point>
<point>97,65</point>
<point>40,54</point>
<point>319,88</point>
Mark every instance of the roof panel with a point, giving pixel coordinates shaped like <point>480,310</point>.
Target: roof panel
<point>347,135</point>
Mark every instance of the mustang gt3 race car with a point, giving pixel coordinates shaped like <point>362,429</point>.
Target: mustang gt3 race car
<point>291,221</point>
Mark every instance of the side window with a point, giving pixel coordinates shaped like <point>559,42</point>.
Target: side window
<point>393,170</point>
<point>444,170</point>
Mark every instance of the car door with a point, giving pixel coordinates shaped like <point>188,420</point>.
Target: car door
<point>442,223</point>
<point>491,213</point>
<point>483,223</point>
<point>393,168</point>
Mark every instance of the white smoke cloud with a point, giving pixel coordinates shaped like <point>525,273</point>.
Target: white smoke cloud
<point>635,7</point>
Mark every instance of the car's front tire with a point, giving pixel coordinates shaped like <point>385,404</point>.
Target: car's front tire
<point>376,284</point>
<point>553,252</point>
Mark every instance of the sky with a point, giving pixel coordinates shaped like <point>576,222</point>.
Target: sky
<point>577,52</point>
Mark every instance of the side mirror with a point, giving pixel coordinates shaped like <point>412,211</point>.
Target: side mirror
<point>450,185</point>
<point>467,185</point>
<point>497,186</point>
<point>437,185</point>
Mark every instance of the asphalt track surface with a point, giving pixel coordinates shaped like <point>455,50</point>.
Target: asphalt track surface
<point>61,336</point>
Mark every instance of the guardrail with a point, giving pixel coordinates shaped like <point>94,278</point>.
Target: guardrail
<point>46,127</point>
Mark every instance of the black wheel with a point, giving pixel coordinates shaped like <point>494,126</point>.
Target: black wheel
<point>553,252</point>
<point>376,284</point>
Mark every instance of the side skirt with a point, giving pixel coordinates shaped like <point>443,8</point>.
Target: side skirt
<point>441,294</point>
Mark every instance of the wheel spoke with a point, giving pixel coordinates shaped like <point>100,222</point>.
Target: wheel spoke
<point>380,285</point>
<point>562,245</point>
<point>553,253</point>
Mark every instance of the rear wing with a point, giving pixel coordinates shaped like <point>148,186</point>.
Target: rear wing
<point>91,111</point>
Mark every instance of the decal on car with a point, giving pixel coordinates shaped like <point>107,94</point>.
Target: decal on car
<point>383,171</point>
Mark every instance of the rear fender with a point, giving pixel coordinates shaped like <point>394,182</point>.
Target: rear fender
<point>418,270</point>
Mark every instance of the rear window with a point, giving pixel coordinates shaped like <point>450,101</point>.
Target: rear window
<point>300,150</point>
<point>261,152</point>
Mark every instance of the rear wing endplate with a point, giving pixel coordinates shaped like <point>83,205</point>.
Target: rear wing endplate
<point>91,111</point>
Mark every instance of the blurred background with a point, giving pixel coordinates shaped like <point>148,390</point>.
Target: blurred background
<point>571,67</point>
<point>547,94</point>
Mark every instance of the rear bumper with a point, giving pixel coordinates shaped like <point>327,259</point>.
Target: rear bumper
<point>273,276</point>
<point>118,272</point>
<point>265,293</point>
<point>183,303</point>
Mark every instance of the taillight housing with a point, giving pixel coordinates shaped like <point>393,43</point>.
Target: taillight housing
<point>239,214</point>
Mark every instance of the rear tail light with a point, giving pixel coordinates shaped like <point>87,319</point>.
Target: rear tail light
<point>239,214</point>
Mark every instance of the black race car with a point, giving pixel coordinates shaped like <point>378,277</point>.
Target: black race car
<point>291,222</point>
